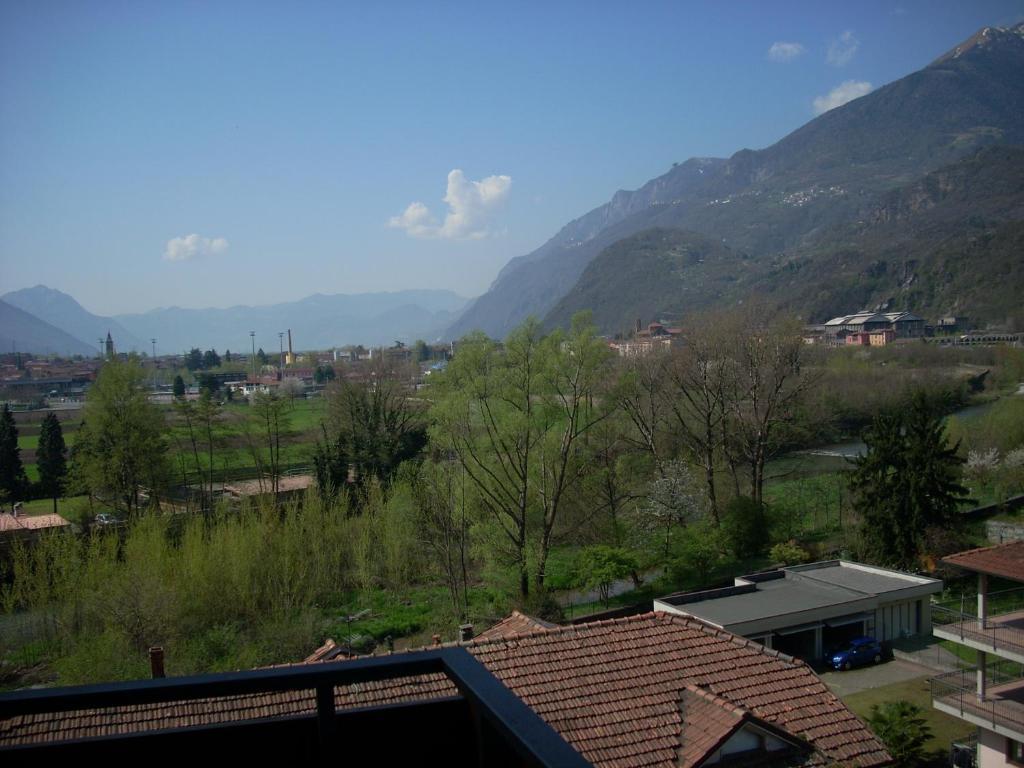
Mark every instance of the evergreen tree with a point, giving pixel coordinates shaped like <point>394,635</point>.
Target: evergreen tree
<point>211,359</point>
<point>13,481</point>
<point>51,458</point>
<point>179,386</point>
<point>194,360</point>
<point>906,482</point>
<point>261,356</point>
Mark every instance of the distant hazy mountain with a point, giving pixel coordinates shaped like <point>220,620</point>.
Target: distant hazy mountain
<point>63,312</point>
<point>22,332</point>
<point>317,322</point>
<point>766,204</point>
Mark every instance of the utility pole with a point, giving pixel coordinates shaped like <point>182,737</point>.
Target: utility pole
<point>280,338</point>
<point>252,335</point>
<point>154,364</point>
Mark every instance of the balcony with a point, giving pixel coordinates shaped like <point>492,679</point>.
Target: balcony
<point>433,707</point>
<point>1001,709</point>
<point>1002,635</point>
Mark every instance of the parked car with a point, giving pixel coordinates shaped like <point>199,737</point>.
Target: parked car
<point>856,653</point>
<point>104,519</point>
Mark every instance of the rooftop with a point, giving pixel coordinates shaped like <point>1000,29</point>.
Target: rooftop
<point>833,586</point>
<point>9,522</point>
<point>1005,560</point>
<point>636,691</point>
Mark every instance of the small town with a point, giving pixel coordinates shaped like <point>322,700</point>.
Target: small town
<point>368,370</point>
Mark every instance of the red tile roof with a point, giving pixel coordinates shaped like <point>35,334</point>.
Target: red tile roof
<point>1006,560</point>
<point>515,623</point>
<point>9,522</point>
<point>613,689</point>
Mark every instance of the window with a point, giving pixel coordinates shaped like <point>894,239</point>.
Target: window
<point>1014,752</point>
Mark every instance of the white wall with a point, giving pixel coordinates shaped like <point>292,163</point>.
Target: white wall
<point>991,749</point>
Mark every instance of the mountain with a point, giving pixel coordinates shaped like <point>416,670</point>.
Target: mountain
<point>62,311</point>
<point>769,202</point>
<point>948,242</point>
<point>317,322</point>
<point>22,332</point>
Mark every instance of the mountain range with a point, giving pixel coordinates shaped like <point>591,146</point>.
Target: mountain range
<point>51,321</point>
<point>797,206</point>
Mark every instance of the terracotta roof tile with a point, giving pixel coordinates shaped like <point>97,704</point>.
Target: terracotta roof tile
<point>618,690</point>
<point>1006,560</point>
<point>515,623</point>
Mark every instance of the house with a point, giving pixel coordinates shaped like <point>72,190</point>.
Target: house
<point>991,694</point>
<point>804,610</point>
<point>649,690</point>
<point>27,528</point>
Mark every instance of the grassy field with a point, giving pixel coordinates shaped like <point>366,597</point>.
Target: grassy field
<point>944,728</point>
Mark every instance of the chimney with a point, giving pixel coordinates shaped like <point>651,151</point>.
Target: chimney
<point>466,632</point>
<point>156,661</point>
<point>291,355</point>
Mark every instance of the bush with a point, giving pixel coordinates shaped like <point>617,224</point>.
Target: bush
<point>745,527</point>
<point>900,726</point>
<point>698,553</point>
<point>789,553</point>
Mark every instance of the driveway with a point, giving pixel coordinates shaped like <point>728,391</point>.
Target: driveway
<point>843,684</point>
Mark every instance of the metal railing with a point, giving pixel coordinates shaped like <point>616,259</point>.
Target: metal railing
<point>991,632</point>
<point>959,691</point>
<point>516,725</point>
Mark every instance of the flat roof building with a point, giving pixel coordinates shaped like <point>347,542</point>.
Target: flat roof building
<point>805,609</point>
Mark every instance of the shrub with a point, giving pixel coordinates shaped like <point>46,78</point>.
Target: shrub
<point>905,732</point>
<point>789,553</point>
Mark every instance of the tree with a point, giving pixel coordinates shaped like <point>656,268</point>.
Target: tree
<point>201,417</point>
<point>766,382</point>
<point>672,501</point>
<point>120,451</point>
<point>13,481</point>
<point>420,351</point>
<point>907,481</point>
<point>442,520</point>
<point>517,417</point>
<point>179,386</point>
<point>261,356</point>
<point>270,412</point>
<point>600,566</point>
<point>194,360</point>
<point>371,428</point>
<point>227,355</point>
<point>51,458</point>
<point>211,359</point>
<point>903,729</point>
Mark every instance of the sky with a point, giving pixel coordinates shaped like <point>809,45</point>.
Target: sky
<point>203,154</point>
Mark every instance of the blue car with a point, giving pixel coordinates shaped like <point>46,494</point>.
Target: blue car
<point>856,653</point>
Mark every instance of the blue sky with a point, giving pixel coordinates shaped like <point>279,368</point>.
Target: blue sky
<point>210,154</point>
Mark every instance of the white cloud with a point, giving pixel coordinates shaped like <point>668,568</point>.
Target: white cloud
<point>193,246</point>
<point>785,51</point>
<point>471,207</point>
<point>842,93</point>
<point>842,49</point>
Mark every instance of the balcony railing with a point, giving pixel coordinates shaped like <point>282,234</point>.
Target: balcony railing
<point>1002,706</point>
<point>1004,632</point>
<point>472,719</point>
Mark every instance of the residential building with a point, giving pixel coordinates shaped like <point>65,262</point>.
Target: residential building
<point>649,690</point>
<point>805,610</point>
<point>989,695</point>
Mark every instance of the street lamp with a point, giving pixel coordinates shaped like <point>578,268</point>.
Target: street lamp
<point>252,335</point>
<point>280,338</point>
<point>154,363</point>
